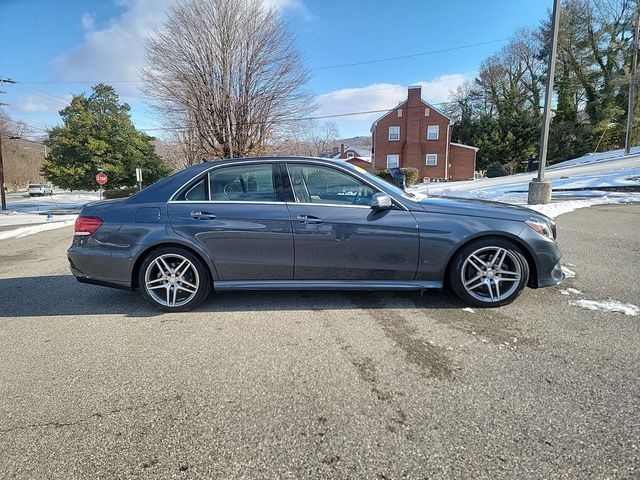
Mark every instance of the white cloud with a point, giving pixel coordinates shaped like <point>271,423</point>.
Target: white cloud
<point>116,52</point>
<point>88,21</point>
<point>384,96</point>
<point>41,103</point>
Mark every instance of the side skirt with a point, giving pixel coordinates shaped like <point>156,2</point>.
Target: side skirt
<point>324,285</point>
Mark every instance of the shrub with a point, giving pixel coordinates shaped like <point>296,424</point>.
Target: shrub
<point>119,193</point>
<point>496,169</point>
<point>411,175</point>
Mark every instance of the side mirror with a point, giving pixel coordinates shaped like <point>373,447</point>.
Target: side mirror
<point>381,201</point>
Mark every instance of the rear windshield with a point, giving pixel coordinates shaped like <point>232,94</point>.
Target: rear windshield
<point>35,185</point>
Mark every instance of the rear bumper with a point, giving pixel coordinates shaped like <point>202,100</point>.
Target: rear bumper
<point>98,267</point>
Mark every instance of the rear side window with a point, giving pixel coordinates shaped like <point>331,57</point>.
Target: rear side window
<point>243,183</point>
<point>196,192</point>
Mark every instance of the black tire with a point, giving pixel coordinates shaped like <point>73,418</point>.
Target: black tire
<point>161,283</point>
<point>488,278</point>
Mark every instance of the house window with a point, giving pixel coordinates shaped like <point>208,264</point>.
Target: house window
<point>433,132</point>
<point>394,134</point>
<point>427,112</point>
<point>432,159</point>
<point>350,155</point>
<point>393,161</point>
<point>399,113</point>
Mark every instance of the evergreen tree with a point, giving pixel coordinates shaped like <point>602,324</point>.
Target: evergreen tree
<point>97,133</point>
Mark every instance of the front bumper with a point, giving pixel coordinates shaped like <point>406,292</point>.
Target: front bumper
<point>546,256</point>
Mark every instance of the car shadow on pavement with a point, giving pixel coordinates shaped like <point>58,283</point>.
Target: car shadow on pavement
<point>62,295</point>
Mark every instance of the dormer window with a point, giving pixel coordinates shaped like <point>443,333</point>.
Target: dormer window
<point>350,155</point>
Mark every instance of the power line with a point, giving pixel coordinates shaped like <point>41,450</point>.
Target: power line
<point>413,55</point>
<point>324,67</point>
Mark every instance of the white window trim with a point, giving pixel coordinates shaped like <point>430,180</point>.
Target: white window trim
<point>437,132</point>
<point>350,155</point>
<point>432,155</point>
<point>394,139</point>
<point>397,157</point>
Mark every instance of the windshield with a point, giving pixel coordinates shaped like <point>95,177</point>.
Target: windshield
<point>34,185</point>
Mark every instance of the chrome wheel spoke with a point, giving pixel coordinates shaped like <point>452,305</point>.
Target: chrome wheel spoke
<point>491,274</point>
<point>168,272</point>
<point>477,263</point>
<point>186,289</point>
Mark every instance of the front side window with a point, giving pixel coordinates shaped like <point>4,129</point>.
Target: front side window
<point>243,183</point>
<point>393,161</point>
<point>325,185</point>
<point>394,134</point>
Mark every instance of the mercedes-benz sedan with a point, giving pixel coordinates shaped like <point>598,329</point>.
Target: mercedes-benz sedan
<point>307,224</point>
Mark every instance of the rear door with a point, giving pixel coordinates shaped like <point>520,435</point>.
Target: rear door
<point>337,236</point>
<point>237,212</point>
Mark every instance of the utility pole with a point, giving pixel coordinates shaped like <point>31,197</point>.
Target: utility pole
<point>632,87</point>
<point>3,197</point>
<point>539,189</point>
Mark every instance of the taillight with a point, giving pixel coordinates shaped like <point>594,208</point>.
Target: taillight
<point>86,225</point>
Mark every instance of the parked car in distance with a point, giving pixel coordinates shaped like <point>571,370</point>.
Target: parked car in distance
<point>39,189</point>
<point>307,223</point>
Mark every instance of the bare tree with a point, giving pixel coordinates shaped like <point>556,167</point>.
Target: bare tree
<point>230,70</point>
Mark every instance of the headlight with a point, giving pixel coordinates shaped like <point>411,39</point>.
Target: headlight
<point>542,228</point>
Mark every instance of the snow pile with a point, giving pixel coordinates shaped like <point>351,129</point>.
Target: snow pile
<point>15,218</point>
<point>608,306</point>
<point>26,231</point>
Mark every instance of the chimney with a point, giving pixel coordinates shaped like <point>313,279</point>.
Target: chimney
<point>342,150</point>
<point>414,96</point>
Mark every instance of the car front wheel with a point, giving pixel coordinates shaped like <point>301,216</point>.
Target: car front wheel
<point>173,279</point>
<point>489,272</point>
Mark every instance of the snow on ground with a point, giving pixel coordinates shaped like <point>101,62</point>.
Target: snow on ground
<point>608,306</point>
<point>21,202</point>
<point>31,214</point>
<point>581,178</point>
<point>26,231</point>
<point>14,218</point>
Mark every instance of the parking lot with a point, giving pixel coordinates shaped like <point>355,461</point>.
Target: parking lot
<point>96,384</point>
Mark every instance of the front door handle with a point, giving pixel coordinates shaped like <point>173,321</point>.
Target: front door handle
<point>198,215</point>
<point>309,219</point>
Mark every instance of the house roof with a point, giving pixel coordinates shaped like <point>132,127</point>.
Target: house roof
<point>373,125</point>
<point>464,146</point>
<point>360,152</point>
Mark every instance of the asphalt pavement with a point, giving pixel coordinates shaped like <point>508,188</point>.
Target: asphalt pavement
<point>96,384</point>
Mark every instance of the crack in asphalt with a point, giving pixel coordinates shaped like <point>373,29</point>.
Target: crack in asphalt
<point>56,424</point>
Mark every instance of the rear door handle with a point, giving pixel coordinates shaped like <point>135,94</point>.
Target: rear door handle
<point>309,219</point>
<point>202,215</point>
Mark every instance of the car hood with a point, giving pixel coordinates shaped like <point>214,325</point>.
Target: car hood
<point>480,208</point>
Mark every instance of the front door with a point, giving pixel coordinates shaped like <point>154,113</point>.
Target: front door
<point>337,236</point>
<point>238,214</point>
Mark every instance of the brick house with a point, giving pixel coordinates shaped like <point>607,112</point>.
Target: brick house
<point>358,156</point>
<point>415,134</point>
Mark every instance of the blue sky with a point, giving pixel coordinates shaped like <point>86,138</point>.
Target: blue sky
<point>51,47</point>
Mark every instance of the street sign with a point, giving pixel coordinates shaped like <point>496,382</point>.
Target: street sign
<point>101,178</point>
<point>138,174</point>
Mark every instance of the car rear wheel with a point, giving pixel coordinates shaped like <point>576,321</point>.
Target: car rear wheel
<point>489,272</point>
<point>173,279</point>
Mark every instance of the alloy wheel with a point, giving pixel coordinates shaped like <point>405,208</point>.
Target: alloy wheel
<point>171,280</point>
<point>491,274</point>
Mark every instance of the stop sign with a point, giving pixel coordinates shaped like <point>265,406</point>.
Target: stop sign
<point>101,178</point>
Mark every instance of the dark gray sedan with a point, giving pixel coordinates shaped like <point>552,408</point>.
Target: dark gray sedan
<point>307,224</point>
